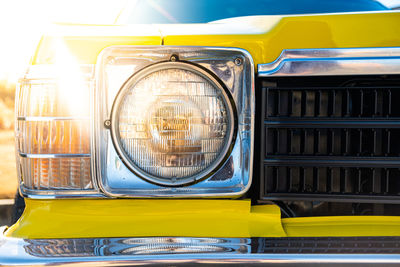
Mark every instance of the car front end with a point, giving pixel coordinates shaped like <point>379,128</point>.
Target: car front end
<point>250,140</point>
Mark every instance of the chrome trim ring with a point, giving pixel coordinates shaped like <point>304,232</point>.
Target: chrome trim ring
<point>60,193</point>
<point>36,118</point>
<point>333,61</point>
<point>223,154</point>
<point>52,156</point>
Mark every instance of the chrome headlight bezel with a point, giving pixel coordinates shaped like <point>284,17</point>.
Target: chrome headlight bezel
<point>131,82</point>
<point>235,70</point>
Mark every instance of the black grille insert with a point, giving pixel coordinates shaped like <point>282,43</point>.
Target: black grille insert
<point>327,245</point>
<point>337,143</point>
<point>325,102</point>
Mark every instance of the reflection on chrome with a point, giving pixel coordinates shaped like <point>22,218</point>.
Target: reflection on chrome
<point>288,251</point>
<point>176,240</point>
<point>333,61</point>
<point>173,249</point>
<point>134,246</point>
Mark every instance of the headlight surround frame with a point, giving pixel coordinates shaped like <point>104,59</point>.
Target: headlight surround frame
<point>212,79</point>
<point>233,67</point>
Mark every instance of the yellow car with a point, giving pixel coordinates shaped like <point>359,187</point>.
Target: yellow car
<point>214,132</point>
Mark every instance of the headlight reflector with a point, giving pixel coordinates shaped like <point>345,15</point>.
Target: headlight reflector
<point>173,123</point>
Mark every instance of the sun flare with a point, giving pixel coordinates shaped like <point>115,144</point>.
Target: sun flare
<point>24,21</point>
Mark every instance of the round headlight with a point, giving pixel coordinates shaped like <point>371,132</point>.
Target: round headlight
<point>173,123</point>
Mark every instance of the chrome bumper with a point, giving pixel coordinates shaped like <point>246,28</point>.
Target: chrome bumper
<point>187,251</point>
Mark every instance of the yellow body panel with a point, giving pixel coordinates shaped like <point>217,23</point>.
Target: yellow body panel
<point>343,226</point>
<point>130,218</point>
<point>318,31</point>
<point>264,38</point>
<point>192,218</point>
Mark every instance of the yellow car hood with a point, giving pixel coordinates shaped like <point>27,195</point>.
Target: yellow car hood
<point>264,37</point>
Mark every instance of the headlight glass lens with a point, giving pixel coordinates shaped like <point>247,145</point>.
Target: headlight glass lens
<point>173,123</point>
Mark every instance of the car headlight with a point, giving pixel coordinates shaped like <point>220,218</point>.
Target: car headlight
<point>173,123</point>
<point>145,121</point>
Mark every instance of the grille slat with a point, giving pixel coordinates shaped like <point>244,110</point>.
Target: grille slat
<point>332,102</point>
<point>355,142</point>
<point>331,142</point>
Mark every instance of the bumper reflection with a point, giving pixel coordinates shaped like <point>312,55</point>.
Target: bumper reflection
<point>134,246</point>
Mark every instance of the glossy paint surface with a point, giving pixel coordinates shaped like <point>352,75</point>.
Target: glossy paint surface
<point>185,218</point>
<point>125,217</point>
<point>264,37</point>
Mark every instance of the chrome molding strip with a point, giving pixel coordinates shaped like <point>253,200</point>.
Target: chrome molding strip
<point>167,250</point>
<point>52,156</point>
<point>334,61</point>
<point>33,118</point>
<point>60,193</point>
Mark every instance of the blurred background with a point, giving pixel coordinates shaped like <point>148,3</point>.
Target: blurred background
<point>21,24</point>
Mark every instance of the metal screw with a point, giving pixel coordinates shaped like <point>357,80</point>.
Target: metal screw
<point>238,61</point>
<point>174,58</point>
<point>110,60</point>
<point>107,123</point>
